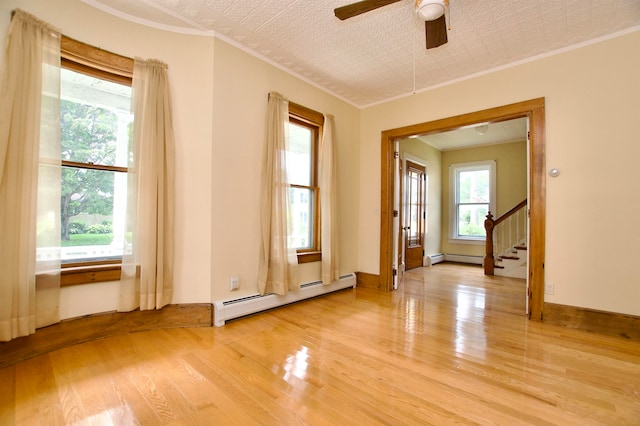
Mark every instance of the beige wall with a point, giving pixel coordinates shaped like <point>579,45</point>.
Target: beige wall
<point>241,85</point>
<point>511,185</point>
<point>190,60</point>
<point>432,158</point>
<point>220,97</point>
<point>592,108</point>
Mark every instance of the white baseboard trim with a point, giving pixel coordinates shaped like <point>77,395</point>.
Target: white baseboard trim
<point>463,258</point>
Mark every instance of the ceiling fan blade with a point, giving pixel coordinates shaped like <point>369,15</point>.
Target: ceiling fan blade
<point>355,9</point>
<point>436,32</point>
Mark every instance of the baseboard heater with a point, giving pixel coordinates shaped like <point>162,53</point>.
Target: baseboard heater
<point>432,259</point>
<point>236,308</point>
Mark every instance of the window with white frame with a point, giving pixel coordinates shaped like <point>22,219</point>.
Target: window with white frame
<point>473,196</point>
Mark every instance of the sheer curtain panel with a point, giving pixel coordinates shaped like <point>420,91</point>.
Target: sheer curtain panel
<point>29,177</point>
<point>328,204</point>
<point>147,265</point>
<point>276,267</point>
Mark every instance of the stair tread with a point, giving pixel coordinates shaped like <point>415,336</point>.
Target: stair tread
<point>510,257</point>
<point>520,247</point>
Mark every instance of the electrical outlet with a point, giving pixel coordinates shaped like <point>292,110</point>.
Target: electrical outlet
<point>549,287</point>
<point>234,283</point>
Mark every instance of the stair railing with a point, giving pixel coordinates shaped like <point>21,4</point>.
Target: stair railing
<point>503,242</point>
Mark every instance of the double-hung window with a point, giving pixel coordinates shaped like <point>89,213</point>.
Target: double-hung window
<point>96,125</point>
<point>305,127</point>
<point>473,195</point>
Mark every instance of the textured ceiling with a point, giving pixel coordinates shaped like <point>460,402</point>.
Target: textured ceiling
<point>380,55</point>
<point>493,133</point>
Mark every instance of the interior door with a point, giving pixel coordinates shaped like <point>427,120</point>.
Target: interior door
<point>415,214</point>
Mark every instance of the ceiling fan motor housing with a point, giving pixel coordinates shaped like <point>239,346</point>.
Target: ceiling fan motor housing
<point>429,10</point>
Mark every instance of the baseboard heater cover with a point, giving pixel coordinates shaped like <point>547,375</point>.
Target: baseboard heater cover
<point>435,258</point>
<point>236,308</point>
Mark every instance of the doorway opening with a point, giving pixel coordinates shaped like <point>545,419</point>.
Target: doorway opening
<point>533,110</point>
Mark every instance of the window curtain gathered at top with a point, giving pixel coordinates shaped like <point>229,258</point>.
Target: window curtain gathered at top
<point>147,265</point>
<point>328,204</point>
<point>276,267</point>
<point>29,177</point>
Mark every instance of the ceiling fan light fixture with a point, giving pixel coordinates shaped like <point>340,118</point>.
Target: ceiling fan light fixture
<point>482,129</point>
<point>430,10</point>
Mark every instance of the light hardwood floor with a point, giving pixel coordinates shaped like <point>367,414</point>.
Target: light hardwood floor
<point>450,346</point>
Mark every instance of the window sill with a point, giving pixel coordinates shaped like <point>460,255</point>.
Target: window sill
<point>89,274</point>
<point>82,275</point>
<point>309,256</point>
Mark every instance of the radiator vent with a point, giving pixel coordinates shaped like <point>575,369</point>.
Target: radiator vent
<point>236,308</point>
<point>311,284</point>
<point>240,300</point>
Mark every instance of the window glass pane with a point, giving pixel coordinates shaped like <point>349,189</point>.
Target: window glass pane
<point>96,124</point>
<point>92,212</point>
<point>471,219</point>
<point>415,207</point>
<point>299,155</point>
<point>95,119</point>
<point>473,186</point>
<point>414,235</point>
<point>302,208</point>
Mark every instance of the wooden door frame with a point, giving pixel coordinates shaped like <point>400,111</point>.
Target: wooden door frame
<point>534,109</point>
<point>400,256</point>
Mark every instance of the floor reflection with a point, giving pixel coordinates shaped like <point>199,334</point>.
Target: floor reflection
<point>468,301</point>
<point>412,316</point>
<point>470,311</point>
<point>296,364</point>
<point>117,415</point>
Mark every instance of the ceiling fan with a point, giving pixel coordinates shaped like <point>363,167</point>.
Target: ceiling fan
<point>432,12</point>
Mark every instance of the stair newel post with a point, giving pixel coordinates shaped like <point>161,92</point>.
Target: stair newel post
<point>488,259</point>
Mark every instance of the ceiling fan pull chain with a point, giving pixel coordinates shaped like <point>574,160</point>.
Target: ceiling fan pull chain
<point>413,48</point>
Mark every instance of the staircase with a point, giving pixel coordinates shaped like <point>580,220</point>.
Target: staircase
<point>507,236</point>
<point>513,262</point>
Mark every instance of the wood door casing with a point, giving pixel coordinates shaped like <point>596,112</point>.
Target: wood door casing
<point>398,213</point>
<point>534,110</point>
<point>400,261</point>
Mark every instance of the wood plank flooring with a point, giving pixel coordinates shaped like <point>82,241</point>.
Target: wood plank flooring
<point>451,346</point>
